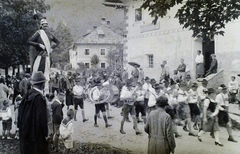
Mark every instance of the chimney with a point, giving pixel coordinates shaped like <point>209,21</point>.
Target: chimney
<point>94,27</point>
<point>103,20</point>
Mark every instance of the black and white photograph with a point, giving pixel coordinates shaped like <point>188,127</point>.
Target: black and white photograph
<point>119,77</point>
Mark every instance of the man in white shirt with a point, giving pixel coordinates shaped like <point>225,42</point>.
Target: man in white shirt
<point>202,94</point>
<point>199,64</point>
<point>128,96</point>
<point>223,101</point>
<point>78,94</point>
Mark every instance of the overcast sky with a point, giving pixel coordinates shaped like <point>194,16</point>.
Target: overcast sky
<point>81,15</point>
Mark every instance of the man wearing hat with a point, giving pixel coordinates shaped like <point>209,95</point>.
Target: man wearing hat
<point>160,130</point>
<point>32,119</point>
<point>43,40</point>
<point>128,96</point>
<point>213,65</point>
<point>223,100</point>
<point>78,96</point>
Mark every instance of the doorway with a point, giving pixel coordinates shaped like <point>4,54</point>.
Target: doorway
<point>207,49</point>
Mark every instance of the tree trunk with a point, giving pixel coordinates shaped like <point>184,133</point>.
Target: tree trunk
<point>13,71</point>
<point>6,71</point>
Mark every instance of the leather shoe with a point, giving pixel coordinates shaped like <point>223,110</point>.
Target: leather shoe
<point>84,120</point>
<point>108,125</point>
<point>138,133</point>
<point>110,117</point>
<point>220,144</point>
<point>122,131</point>
<point>199,139</point>
<point>232,140</point>
<point>185,129</point>
<point>96,125</point>
<point>191,134</point>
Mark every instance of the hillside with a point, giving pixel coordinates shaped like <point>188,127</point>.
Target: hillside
<point>81,15</point>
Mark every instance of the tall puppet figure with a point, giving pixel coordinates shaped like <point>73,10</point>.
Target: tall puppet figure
<point>44,42</point>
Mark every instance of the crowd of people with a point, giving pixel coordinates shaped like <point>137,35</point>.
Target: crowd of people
<point>161,105</point>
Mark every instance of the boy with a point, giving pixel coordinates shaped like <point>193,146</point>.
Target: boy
<point>66,131</point>
<point>6,115</point>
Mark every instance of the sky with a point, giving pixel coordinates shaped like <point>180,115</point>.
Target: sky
<point>81,15</point>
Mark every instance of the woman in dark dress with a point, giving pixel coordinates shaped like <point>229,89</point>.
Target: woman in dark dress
<point>210,116</point>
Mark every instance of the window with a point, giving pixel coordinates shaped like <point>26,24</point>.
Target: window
<point>102,52</point>
<point>87,65</point>
<point>138,14</point>
<point>87,52</point>
<point>102,65</point>
<point>150,61</point>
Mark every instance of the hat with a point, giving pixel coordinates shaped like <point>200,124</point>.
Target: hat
<point>162,101</point>
<point>194,84</point>
<point>153,81</point>
<point>38,77</point>
<point>129,82</point>
<point>210,90</point>
<point>204,81</point>
<point>50,96</point>
<point>27,75</point>
<point>157,86</point>
<point>147,78</point>
<point>97,82</point>
<point>188,76</point>
<point>43,21</point>
<point>222,87</point>
<point>18,98</point>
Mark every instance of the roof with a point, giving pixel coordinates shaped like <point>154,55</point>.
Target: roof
<point>101,35</point>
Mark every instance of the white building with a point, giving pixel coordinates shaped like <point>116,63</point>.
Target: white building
<point>100,42</point>
<point>150,44</point>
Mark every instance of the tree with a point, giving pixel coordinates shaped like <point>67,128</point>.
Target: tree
<point>115,57</point>
<point>63,34</point>
<point>206,18</point>
<point>95,60</point>
<point>17,25</point>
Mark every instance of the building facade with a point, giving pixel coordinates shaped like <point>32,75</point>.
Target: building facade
<point>103,42</point>
<point>150,44</point>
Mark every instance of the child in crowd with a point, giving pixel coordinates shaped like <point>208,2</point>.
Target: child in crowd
<point>6,115</point>
<point>66,131</point>
<point>16,106</point>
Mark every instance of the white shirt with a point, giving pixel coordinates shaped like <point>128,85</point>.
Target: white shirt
<point>200,92</point>
<point>182,97</point>
<point>192,96</point>
<point>199,59</point>
<point>153,98</point>
<point>233,86</point>
<point>146,87</point>
<point>96,93</point>
<point>140,95</point>
<point>127,94</point>
<point>6,114</point>
<point>78,90</point>
<point>222,99</point>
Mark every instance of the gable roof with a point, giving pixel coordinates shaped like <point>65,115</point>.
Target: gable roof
<point>101,35</point>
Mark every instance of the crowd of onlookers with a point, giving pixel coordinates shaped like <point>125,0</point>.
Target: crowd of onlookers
<point>191,104</point>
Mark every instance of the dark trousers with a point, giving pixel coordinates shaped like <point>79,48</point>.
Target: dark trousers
<point>140,108</point>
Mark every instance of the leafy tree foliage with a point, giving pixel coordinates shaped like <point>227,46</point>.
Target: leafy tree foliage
<point>63,34</point>
<point>17,25</point>
<point>206,18</point>
<point>95,60</point>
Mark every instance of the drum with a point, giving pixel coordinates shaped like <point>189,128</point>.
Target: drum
<point>108,94</point>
